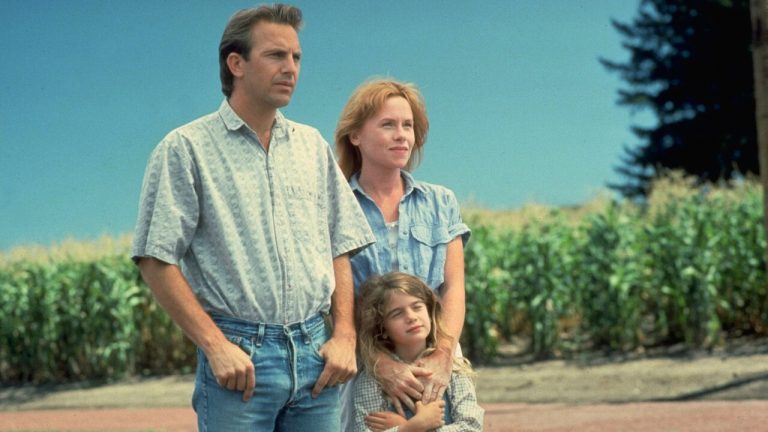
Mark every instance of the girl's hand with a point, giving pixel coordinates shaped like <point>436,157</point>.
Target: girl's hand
<point>383,420</point>
<point>429,416</point>
<point>401,382</point>
<point>440,363</point>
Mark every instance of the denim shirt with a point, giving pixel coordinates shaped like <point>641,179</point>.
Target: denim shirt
<point>429,218</point>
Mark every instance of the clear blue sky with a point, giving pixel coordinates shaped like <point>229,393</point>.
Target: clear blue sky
<point>520,108</point>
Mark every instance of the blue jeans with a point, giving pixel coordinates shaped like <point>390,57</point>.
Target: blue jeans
<point>287,365</point>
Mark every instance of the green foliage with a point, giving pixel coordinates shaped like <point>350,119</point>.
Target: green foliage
<point>74,320</point>
<point>609,277</point>
<point>688,268</point>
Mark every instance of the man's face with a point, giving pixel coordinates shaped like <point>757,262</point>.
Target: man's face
<point>269,76</point>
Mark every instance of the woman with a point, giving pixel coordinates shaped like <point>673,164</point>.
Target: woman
<point>379,139</point>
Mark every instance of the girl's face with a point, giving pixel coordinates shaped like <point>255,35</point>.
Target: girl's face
<point>407,324</point>
<point>386,138</point>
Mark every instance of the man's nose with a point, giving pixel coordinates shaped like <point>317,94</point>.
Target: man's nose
<point>290,65</point>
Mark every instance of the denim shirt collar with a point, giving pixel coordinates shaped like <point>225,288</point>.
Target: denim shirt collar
<point>410,184</point>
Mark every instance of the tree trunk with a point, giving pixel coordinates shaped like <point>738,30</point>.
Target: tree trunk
<point>759,13</point>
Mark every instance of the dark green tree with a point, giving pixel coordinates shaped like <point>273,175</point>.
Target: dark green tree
<point>691,64</point>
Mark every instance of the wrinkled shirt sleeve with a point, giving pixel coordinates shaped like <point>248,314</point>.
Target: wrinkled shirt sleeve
<point>168,210</point>
<point>456,226</point>
<point>349,229</point>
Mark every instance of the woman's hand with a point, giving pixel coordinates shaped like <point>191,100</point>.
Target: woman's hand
<point>440,363</point>
<point>400,381</point>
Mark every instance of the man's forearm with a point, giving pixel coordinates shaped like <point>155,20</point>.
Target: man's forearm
<point>174,294</point>
<point>343,299</point>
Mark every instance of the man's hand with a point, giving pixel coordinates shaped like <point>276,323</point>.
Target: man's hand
<point>231,366</point>
<point>233,369</point>
<point>401,382</point>
<point>340,363</point>
<point>440,363</point>
<point>383,420</point>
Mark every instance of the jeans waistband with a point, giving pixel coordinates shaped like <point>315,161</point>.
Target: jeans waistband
<point>249,328</point>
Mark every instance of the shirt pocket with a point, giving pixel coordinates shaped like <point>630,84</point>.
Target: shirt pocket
<point>429,252</point>
<point>304,210</point>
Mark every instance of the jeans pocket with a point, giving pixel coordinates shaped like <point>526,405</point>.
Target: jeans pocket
<point>244,343</point>
<point>317,339</point>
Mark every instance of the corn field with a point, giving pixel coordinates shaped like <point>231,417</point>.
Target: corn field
<point>687,267</point>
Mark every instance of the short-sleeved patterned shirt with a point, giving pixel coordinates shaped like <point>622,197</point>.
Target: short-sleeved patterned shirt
<point>461,403</point>
<point>429,218</point>
<point>254,232</point>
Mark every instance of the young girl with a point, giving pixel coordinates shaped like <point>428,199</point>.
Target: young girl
<point>401,316</point>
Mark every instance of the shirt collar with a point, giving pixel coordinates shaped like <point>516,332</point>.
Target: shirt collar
<point>233,121</point>
<point>410,183</point>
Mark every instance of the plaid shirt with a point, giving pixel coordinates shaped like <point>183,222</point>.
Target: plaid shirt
<point>465,413</point>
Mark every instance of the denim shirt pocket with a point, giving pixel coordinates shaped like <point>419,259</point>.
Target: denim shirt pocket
<point>430,246</point>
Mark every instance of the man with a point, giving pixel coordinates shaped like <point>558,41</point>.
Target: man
<point>244,233</point>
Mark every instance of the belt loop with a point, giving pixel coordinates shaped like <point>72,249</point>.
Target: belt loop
<point>260,335</point>
<point>305,333</point>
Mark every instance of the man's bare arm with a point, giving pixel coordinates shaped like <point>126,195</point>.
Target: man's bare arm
<point>339,351</point>
<point>232,367</point>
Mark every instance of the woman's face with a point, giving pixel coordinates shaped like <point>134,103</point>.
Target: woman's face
<point>386,138</point>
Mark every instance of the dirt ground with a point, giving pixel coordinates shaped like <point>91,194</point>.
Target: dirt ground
<point>738,370</point>
<point>672,389</point>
